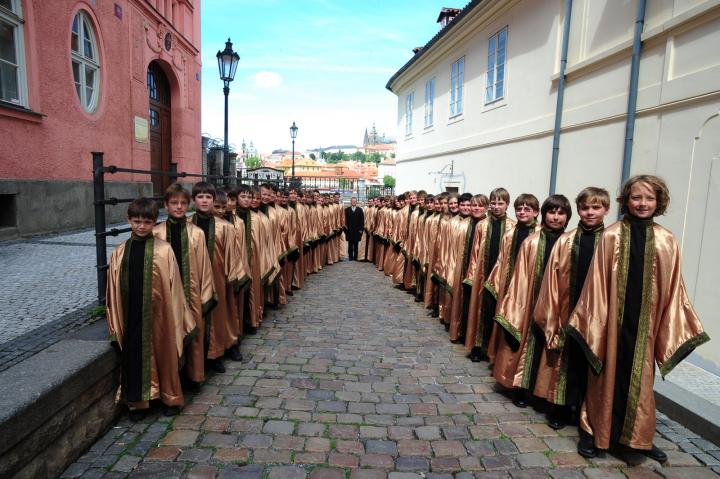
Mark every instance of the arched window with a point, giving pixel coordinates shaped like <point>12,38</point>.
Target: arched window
<point>85,61</point>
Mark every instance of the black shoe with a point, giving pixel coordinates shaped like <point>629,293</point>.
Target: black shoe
<point>289,293</point>
<point>586,445</point>
<point>401,287</point>
<point>249,330</point>
<point>458,341</point>
<point>170,411</point>
<point>192,386</point>
<point>234,352</point>
<point>475,354</point>
<point>555,422</point>
<point>137,414</point>
<point>418,299</point>
<point>295,288</point>
<point>519,399</point>
<point>446,326</point>
<point>216,365</point>
<point>433,314</point>
<point>655,454</point>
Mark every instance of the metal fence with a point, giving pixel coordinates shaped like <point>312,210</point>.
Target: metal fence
<point>345,186</point>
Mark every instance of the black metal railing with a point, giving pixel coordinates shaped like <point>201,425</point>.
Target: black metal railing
<point>323,184</point>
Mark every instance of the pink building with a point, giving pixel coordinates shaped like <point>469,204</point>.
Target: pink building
<point>76,76</point>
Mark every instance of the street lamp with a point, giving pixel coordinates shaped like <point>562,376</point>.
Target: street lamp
<point>293,135</point>
<point>227,64</point>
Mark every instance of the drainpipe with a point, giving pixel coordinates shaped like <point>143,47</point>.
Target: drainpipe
<point>633,91</point>
<point>560,96</point>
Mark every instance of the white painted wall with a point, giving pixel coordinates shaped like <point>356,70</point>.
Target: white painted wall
<point>677,131</point>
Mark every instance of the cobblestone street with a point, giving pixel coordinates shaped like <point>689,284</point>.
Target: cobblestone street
<point>352,380</point>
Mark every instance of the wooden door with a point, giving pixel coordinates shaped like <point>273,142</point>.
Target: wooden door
<point>160,127</point>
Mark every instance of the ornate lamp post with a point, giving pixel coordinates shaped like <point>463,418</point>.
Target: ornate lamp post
<point>293,135</point>
<point>227,64</point>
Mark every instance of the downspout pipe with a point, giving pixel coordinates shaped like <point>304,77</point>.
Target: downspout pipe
<point>633,91</point>
<point>560,96</point>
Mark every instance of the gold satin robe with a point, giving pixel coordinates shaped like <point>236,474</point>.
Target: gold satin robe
<point>514,315</point>
<point>300,237</point>
<point>552,311</point>
<point>475,277</point>
<point>668,330</point>
<point>401,258</point>
<point>499,279</point>
<point>222,246</point>
<point>432,245</point>
<point>166,322</point>
<point>243,273</point>
<point>461,238</point>
<point>391,224</point>
<point>199,292</point>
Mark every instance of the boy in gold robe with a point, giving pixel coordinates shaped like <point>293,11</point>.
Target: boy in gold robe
<point>632,314</point>
<point>526,208</point>
<point>221,246</point>
<point>147,315</point>
<point>517,358</point>
<point>188,244</point>
<point>485,252</point>
<point>432,225</point>
<point>562,374</point>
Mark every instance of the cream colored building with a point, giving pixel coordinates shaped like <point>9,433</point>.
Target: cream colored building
<point>497,128</point>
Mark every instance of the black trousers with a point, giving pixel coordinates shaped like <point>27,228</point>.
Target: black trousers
<point>352,250</point>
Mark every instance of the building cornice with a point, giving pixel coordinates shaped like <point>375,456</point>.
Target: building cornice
<point>475,16</point>
<point>152,14</point>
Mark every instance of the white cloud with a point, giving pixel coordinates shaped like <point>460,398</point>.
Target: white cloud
<point>266,79</point>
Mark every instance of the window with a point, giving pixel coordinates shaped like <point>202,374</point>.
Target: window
<point>408,113</point>
<point>457,76</point>
<point>12,55</point>
<point>85,61</point>
<point>429,100</point>
<point>497,46</point>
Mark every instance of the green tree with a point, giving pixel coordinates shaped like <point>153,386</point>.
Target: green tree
<point>335,157</point>
<point>253,162</point>
<point>358,156</point>
<point>312,156</point>
<point>374,157</point>
<point>388,181</point>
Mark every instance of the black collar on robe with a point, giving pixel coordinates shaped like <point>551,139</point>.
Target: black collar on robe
<point>242,213</point>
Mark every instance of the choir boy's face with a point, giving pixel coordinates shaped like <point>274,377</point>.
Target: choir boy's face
<point>141,226</point>
<point>413,199</point>
<point>444,205</point>
<point>421,202</point>
<point>177,206</point>
<point>465,208</point>
<point>204,202</point>
<point>219,208</point>
<point>525,214</point>
<point>453,205</point>
<point>244,199</point>
<point>591,214</point>
<point>477,210</point>
<point>266,195</point>
<point>555,219</point>
<point>255,203</point>
<point>293,195</point>
<point>231,203</point>
<point>642,201</point>
<point>498,207</point>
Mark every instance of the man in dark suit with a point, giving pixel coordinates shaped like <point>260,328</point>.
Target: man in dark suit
<point>355,225</point>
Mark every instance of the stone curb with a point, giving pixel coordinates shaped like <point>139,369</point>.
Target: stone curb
<point>693,412</point>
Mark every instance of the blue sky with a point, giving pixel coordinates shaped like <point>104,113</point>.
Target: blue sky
<point>321,63</point>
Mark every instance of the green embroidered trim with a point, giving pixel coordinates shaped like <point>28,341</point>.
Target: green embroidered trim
<point>682,352</point>
<point>593,360</point>
<point>502,321</point>
<point>642,334</point>
<point>239,284</point>
<point>248,236</point>
<point>623,259</point>
<point>147,318</point>
<point>185,260</point>
<point>469,282</point>
<point>491,289</point>
<point>113,337</point>
<point>561,389</point>
<point>539,266</point>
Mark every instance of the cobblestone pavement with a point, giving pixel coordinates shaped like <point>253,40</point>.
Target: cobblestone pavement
<point>45,278</point>
<point>352,380</point>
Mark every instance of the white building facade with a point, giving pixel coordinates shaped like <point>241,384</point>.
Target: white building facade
<point>481,98</point>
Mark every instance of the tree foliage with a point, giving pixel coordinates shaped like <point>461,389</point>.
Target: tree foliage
<point>253,162</point>
<point>389,181</point>
<point>338,156</point>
